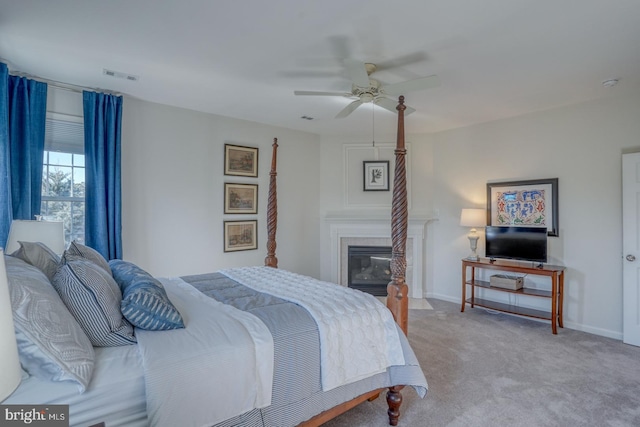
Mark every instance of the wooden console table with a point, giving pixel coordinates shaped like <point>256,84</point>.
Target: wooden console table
<point>555,272</point>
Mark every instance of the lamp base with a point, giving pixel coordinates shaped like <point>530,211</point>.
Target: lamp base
<point>473,242</point>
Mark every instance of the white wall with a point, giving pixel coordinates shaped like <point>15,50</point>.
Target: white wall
<point>173,182</point>
<point>581,145</point>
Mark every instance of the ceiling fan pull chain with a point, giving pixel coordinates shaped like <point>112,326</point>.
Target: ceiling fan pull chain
<point>373,123</point>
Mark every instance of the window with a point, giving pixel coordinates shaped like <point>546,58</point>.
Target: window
<point>63,179</point>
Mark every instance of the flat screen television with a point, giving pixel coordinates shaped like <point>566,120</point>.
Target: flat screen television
<point>520,243</point>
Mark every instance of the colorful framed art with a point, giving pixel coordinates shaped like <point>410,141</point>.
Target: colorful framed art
<point>531,203</point>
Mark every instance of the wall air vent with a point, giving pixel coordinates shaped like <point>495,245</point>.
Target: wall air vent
<point>119,75</point>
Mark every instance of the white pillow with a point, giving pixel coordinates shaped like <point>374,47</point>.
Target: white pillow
<point>38,255</point>
<point>51,344</point>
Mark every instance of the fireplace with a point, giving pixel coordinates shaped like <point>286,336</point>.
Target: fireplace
<point>369,268</point>
<point>367,230</point>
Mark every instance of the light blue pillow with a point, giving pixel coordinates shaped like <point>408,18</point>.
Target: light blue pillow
<point>144,301</point>
<point>93,297</point>
<point>51,344</point>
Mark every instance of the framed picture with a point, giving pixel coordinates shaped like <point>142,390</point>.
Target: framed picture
<point>532,203</point>
<point>376,175</point>
<point>240,161</point>
<point>240,198</point>
<point>240,235</point>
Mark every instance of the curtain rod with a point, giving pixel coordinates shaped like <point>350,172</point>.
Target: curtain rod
<point>64,86</point>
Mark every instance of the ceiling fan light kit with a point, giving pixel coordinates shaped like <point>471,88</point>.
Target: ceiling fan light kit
<point>367,89</point>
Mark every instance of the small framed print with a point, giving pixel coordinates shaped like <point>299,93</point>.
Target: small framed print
<point>376,175</point>
<point>240,235</point>
<point>240,198</point>
<point>240,161</point>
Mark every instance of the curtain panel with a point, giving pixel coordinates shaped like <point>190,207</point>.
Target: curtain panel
<point>23,107</point>
<point>102,124</point>
<point>5,182</point>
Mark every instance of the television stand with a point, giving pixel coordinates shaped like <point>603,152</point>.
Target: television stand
<point>554,272</point>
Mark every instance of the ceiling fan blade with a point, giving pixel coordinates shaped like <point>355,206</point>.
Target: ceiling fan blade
<point>401,61</point>
<point>309,74</point>
<point>314,93</point>
<point>412,85</point>
<point>349,109</point>
<point>390,104</point>
<point>357,72</point>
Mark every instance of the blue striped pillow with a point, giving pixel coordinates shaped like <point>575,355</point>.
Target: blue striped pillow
<point>93,298</point>
<point>144,301</point>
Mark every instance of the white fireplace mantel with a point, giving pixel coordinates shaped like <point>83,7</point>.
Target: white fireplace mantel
<point>358,229</point>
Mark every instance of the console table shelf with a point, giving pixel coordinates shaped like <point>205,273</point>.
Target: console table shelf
<point>524,291</point>
<point>555,273</point>
<point>510,308</point>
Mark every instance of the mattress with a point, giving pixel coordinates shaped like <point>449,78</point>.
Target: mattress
<point>115,395</point>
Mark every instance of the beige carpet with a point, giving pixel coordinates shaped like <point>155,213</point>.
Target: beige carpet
<point>414,303</point>
<point>493,369</point>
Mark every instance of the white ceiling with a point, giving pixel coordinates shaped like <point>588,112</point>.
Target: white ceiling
<point>244,58</point>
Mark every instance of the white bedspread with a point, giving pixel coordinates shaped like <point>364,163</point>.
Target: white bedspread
<point>219,366</point>
<point>358,336</point>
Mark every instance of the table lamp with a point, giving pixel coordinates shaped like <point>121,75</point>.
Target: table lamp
<point>473,218</point>
<point>10,373</point>
<point>51,233</point>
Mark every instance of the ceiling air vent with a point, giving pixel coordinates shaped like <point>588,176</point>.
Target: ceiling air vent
<point>119,75</point>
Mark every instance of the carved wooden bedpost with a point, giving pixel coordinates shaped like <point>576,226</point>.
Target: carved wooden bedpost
<point>397,289</point>
<point>272,210</point>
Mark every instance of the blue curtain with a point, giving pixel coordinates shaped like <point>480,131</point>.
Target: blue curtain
<point>102,123</point>
<point>27,116</point>
<point>23,107</point>
<point>5,181</point>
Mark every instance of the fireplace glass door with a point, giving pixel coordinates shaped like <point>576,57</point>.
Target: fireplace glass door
<point>369,268</point>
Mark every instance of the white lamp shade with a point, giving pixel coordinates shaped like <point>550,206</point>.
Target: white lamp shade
<point>473,218</point>
<point>51,233</point>
<point>10,373</point>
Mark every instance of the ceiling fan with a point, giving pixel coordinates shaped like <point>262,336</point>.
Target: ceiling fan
<point>367,89</point>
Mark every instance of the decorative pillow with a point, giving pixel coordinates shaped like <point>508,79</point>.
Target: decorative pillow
<point>51,344</point>
<point>93,297</point>
<point>77,250</point>
<point>38,255</point>
<point>144,301</point>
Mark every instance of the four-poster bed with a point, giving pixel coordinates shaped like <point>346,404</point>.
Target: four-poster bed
<point>283,372</point>
<point>397,290</point>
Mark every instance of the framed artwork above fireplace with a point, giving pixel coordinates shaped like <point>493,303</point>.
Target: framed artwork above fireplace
<point>376,175</point>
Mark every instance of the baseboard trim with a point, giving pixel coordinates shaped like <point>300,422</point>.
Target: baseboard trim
<point>616,335</point>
